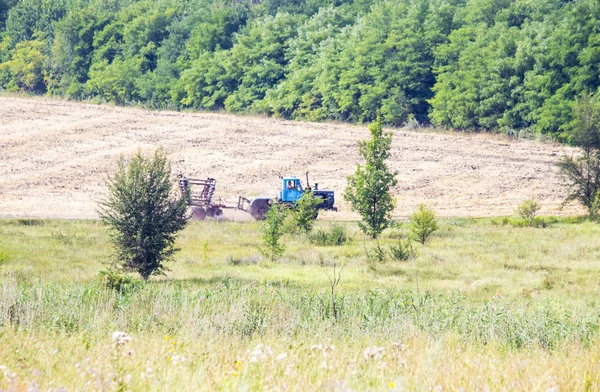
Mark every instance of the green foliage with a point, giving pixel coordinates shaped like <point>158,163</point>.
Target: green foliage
<point>5,257</point>
<point>5,6</point>
<point>142,213</point>
<point>335,236</point>
<point>118,281</point>
<point>273,229</point>
<point>496,65</point>
<point>25,70</point>
<point>595,210</point>
<point>423,223</point>
<point>403,250</point>
<point>528,210</point>
<point>376,255</point>
<point>305,212</point>
<point>369,188</point>
<point>581,172</point>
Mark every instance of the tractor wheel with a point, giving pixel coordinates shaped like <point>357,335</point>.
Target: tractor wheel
<point>198,213</point>
<point>218,213</point>
<point>259,210</point>
<point>210,212</point>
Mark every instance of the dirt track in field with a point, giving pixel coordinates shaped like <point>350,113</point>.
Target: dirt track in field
<point>55,155</point>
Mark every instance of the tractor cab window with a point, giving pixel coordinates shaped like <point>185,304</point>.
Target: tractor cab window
<point>290,185</point>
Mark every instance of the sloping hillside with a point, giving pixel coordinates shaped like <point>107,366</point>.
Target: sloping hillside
<point>55,155</point>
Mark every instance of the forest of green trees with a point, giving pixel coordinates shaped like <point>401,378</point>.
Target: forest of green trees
<point>502,65</point>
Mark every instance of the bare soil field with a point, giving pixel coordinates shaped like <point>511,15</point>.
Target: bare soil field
<point>56,155</point>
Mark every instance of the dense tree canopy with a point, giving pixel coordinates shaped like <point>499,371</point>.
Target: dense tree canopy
<point>502,65</point>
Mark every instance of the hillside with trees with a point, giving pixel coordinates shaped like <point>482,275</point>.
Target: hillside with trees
<point>498,65</point>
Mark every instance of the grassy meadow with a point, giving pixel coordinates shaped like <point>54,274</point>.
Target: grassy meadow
<point>485,305</point>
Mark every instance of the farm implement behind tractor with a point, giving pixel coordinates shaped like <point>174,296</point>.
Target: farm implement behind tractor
<point>201,193</point>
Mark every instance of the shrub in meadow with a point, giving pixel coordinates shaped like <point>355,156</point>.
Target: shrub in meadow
<point>143,213</point>
<point>423,223</point>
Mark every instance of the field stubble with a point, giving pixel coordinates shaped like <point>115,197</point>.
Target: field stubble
<point>55,156</point>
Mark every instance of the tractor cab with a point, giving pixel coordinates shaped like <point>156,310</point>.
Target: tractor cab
<point>291,190</point>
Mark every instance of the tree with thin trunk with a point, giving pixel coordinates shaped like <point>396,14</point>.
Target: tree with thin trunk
<point>143,213</point>
<point>582,170</point>
<point>369,188</point>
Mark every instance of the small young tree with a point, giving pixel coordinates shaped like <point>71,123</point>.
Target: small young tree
<point>304,212</point>
<point>422,223</point>
<point>272,229</point>
<point>143,214</point>
<point>528,210</point>
<point>582,171</point>
<point>369,188</point>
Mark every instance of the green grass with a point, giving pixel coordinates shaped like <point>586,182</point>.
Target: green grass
<point>483,295</point>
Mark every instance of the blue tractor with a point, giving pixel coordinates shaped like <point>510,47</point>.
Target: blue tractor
<point>291,191</point>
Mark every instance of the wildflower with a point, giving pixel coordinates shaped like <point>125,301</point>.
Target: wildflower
<point>373,353</point>
<point>147,373</point>
<point>281,357</point>
<point>260,353</point>
<point>392,385</point>
<point>290,370</point>
<point>324,349</point>
<point>325,365</point>
<point>176,359</point>
<point>353,368</point>
<point>120,338</point>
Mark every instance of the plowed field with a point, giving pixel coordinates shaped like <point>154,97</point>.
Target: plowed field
<point>55,156</point>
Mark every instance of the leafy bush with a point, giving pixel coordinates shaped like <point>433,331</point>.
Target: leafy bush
<point>118,281</point>
<point>528,210</point>
<point>5,257</point>
<point>272,229</point>
<point>336,236</point>
<point>304,213</point>
<point>375,255</point>
<point>595,209</point>
<point>403,250</point>
<point>582,171</point>
<point>143,214</point>
<point>423,223</point>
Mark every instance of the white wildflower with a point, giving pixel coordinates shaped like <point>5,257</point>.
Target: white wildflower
<point>325,365</point>
<point>281,357</point>
<point>290,370</point>
<point>260,353</point>
<point>324,349</point>
<point>177,359</point>
<point>120,338</point>
<point>374,353</point>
